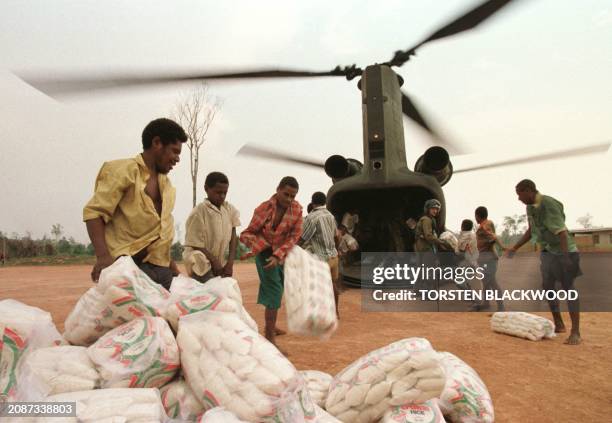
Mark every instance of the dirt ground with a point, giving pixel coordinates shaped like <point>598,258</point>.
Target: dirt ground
<point>529,381</point>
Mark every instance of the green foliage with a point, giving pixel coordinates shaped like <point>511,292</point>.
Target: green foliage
<point>19,247</point>
<point>79,249</point>
<point>176,251</point>
<point>241,250</point>
<point>63,246</point>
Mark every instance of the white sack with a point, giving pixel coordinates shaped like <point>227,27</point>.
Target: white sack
<point>465,398</point>
<point>180,402</point>
<point>23,328</point>
<point>182,286</point>
<point>228,364</point>
<point>112,406</point>
<point>201,299</point>
<point>309,295</point>
<point>318,385</point>
<point>450,239</point>
<point>404,372</point>
<point>140,354</point>
<point>428,412</point>
<point>55,370</point>
<point>123,293</point>
<point>322,416</point>
<point>523,325</point>
<point>219,415</point>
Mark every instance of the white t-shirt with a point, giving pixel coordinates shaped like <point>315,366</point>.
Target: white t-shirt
<point>468,245</point>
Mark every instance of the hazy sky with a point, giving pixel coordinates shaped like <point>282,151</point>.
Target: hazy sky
<point>531,80</point>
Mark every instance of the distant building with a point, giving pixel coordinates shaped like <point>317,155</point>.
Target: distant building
<point>593,237</point>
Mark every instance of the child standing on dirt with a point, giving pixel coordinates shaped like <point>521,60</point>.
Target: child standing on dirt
<point>467,244</point>
<point>211,231</point>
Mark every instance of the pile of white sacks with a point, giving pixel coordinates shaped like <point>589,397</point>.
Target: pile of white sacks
<point>120,361</point>
<point>522,325</point>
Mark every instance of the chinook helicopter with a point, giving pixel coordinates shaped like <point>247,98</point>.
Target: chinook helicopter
<point>381,188</point>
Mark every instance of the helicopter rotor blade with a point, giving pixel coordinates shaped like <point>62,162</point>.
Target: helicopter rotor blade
<point>467,21</point>
<point>70,85</point>
<point>265,153</point>
<point>592,149</point>
<point>410,110</point>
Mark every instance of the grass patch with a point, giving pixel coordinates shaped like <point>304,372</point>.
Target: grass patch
<point>50,260</point>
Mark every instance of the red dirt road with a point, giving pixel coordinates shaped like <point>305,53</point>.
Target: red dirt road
<point>529,381</point>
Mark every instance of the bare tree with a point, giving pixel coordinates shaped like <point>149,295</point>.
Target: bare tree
<point>56,231</point>
<point>179,232</point>
<point>195,112</point>
<point>513,226</point>
<point>585,221</point>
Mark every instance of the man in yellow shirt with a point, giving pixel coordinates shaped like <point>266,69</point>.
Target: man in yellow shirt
<point>130,213</point>
<point>211,231</point>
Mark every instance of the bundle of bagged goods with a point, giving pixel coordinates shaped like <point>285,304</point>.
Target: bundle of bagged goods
<point>322,416</point>
<point>309,295</point>
<point>122,294</point>
<point>218,294</point>
<point>450,239</point>
<point>140,354</point>
<point>318,385</point>
<point>111,405</point>
<point>465,398</point>
<point>182,287</point>
<point>219,415</point>
<point>23,329</point>
<point>428,412</point>
<point>228,364</point>
<point>55,370</point>
<point>403,372</point>
<point>229,372</point>
<point>180,402</point>
<point>523,325</point>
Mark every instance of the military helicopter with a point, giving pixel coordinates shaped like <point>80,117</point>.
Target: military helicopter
<point>381,189</point>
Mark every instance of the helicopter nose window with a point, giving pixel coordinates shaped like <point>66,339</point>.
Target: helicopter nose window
<point>377,165</point>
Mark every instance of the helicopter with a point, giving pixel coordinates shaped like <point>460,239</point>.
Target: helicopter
<point>381,187</point>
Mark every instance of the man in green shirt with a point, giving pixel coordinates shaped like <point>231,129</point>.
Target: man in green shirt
<point>560,260</point>
<point>427,244</point>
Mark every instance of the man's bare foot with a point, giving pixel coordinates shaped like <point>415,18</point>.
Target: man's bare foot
<point>573,339</point>
<point>279,332</point>
<point>560,327</point>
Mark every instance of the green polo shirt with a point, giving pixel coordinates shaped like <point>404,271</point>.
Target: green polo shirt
<point>547,220</point>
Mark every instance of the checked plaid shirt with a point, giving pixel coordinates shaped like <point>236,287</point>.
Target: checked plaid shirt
<point>259,235</point>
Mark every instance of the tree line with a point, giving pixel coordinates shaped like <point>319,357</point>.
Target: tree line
<point>25,246</point>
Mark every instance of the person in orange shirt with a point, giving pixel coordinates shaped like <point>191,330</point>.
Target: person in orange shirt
<point>275,228</point>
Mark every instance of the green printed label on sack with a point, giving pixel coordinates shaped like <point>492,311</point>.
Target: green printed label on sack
<point>130,341</point>
<point>157,374</point>
<point>12,347</point>
<point>415,413</point>
<point>198,303</point>
<point>138,346</point>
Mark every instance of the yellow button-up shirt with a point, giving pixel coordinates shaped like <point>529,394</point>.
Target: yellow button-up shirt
<point>132,222</point>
